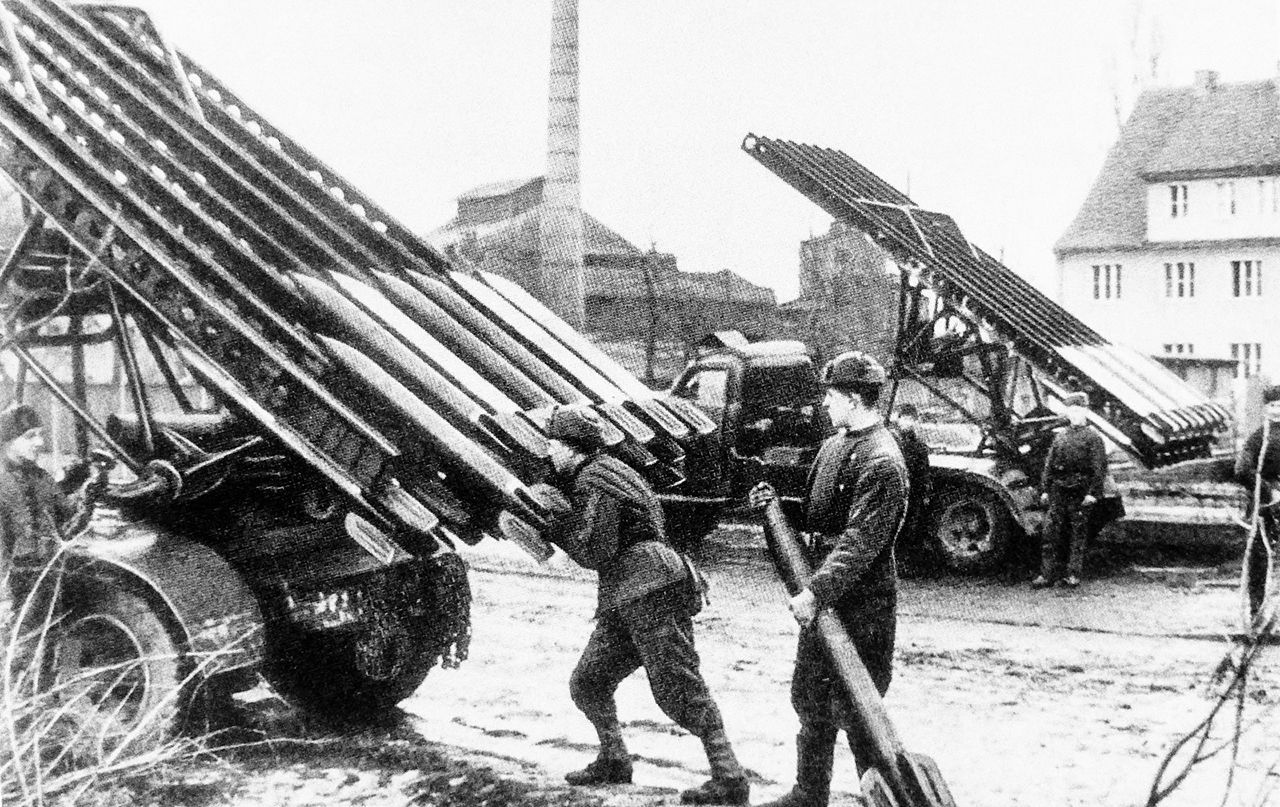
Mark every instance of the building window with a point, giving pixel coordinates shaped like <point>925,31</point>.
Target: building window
<point>1180,279</point>
<point>1246,278</point>
<point>1268,200</point>
<point>1227,198</point>
<point>1179,349</point>
<point>1106,281</point>
<point>1248,356</point>
<point>1177,201</point>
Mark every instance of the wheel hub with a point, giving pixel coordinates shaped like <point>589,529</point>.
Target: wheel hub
<point>965,529</point>
<point>100,665</point>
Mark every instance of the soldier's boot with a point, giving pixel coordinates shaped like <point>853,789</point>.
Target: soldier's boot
<point>613,764</point>
<point>728,783</point>
<point>815,754</point>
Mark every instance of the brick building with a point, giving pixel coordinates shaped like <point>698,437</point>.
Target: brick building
<point>640,308</point>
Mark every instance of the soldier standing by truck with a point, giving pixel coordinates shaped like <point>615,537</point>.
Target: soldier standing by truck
<point>855,506</point>
<point>1075,472</point>
<point>1258,471</point>
<point>912,559</point>
<point>648,594</point>
<point>35,513</point>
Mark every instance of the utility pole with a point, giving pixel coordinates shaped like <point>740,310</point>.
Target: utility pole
<point>561,281</point>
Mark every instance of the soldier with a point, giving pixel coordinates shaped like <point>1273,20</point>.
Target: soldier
<point>648,594</point>
<point>1258,471</point>
<point>1075,471</point>
<point>915,453</point>
<point>34,512</point>
<point>855,506</point>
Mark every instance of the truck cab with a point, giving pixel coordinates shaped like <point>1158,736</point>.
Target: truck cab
<point>767,403</point>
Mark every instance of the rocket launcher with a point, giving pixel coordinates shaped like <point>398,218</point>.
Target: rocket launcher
<point>342,338</point>
<point>284,167</point>
<point>231,155</point>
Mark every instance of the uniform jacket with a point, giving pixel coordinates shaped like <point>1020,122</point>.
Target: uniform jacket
<point>616,528</point>
<point>856,504</point>
<point>916,456</point>
<point>33,510</point>
<point>1247,462</point>
<point>1077,459</point>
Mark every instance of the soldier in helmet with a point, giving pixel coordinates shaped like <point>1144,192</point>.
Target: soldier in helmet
<point>648,594</point>
<point>855,506</point>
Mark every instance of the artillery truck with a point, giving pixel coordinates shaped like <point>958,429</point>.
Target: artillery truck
<point>990,355</point>
<point>307,406</point>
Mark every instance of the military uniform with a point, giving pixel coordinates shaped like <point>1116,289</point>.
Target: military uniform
<point>1246,468</point>
<point>1075,467</point>
<point>854,509</point>
<point>646,600</point>
<point>915,454</point>
<point>34,512</point>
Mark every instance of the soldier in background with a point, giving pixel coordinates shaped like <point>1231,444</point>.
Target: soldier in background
<point>648,594</point>
<point>855,506</point>
<point>1075,472</point>
<point>1258,471</point>
<point>915,453</point>
<point>35,513</point>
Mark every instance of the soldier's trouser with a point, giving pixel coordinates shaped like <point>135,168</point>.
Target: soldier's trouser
<point>1065,534</point>
<point>819,698</point>
<point>1257,560</point>
<point>635,635</point>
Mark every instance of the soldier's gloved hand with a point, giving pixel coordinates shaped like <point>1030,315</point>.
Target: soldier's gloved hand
<point>761,495</point>
<point>804,607</point>
<point>1088,500</point>
<point>1044,498</point>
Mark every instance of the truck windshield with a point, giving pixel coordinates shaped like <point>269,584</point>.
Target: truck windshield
<point>707,388</point>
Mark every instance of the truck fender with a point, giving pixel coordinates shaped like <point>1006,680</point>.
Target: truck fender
<point>215,614</point>
<point>1012,488</point>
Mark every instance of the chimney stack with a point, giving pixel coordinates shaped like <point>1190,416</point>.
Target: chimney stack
<point>1206,81</point>
<point>561,281</point>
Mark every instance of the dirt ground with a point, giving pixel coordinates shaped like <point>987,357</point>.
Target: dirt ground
<point>1023,698</point>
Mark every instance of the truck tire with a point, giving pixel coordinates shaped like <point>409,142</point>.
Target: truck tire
<point>114,659</point>
<point>354,678</point>
<point>970,529</point>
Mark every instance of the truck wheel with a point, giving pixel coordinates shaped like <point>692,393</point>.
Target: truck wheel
<point>971,529</point>
<point>354,678</point>
<point>117,672</point>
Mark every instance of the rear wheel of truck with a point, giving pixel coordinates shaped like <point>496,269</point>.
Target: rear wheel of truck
<point>970,529</point>
<point>114,676</point>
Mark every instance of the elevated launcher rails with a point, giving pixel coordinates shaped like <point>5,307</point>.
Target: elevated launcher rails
<point>1137,403</point>
<point>167,217</point>
<point>372,403</point>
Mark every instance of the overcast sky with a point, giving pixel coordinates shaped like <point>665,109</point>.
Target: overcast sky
<point>996,111</point>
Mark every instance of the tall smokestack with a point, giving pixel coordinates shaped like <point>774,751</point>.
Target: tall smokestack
<point>560,234</point>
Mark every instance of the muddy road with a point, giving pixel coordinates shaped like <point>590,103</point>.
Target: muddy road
<point>1024,698</point>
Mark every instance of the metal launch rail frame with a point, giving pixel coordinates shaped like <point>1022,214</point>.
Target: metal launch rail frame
<point>213,244</point>
<point>1136,402</point>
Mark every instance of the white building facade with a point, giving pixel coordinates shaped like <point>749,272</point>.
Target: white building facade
<point>1176,250</point>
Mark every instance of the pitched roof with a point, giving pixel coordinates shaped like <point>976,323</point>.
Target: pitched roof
<point>519,234</point>
<point>1176,132</point>
<point>598,237</point>
<point>1230,129</point>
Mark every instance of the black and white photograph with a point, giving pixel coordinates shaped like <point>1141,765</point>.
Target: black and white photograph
<point>624,403</point>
